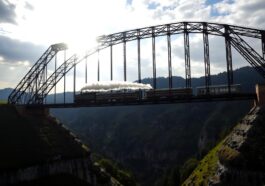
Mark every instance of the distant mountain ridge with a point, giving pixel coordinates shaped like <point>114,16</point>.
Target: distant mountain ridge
<point>4,93</point>
<point>246,76</point>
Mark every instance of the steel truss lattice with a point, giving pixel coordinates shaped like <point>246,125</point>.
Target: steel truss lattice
<point>35,86</point>
<point>35,78</point>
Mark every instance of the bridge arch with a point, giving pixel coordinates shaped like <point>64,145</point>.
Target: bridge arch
<point>233,37</point>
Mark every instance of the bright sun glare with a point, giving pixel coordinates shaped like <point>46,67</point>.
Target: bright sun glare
<point>77,24</point>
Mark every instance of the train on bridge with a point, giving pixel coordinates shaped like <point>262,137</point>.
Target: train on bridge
<point>140,92</point>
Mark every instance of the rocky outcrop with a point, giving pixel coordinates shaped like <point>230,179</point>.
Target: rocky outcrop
<point>239,159</point>
<point>241,155</point>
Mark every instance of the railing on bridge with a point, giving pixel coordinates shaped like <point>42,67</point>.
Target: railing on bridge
<point>35,86</point>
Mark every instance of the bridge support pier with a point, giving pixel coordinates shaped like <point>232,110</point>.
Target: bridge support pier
<point>55,67</point>
<point>228,59</point>
<point>260,91</point>
<point>64,78</point>
<point>187,56</point>
<point>206,58</point>
<point>170,84</point>
<point>86,71</point>
<point>111,63</point>
<point>74,79</point>
<point>124,60</point>
<point>154,57</point>
<point>139,57</point>
<point>98,67</point>
<point>263,44</point>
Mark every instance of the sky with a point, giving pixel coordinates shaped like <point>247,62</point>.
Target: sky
<point>28,28</point>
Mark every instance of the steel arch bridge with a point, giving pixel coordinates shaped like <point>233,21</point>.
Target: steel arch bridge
<point>36,85</point>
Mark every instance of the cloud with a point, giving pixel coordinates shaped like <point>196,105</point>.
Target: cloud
<point>11,74</point>
<point>16,57</point>
<point>242,12</point>
<point>7,12</point>
<point>77,23</point>
<point>29,6</point>
<point>13,50</point>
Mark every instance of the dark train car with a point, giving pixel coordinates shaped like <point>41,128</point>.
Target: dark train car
<point>219,89</point>
<point>85,97</point>
<point>175,93</point>
<point>117,96</point>
<point>108,96</point>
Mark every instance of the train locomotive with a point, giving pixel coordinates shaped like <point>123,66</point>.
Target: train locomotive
<point>102,92</point>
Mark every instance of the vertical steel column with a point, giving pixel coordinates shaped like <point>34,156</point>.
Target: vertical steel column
<point>55,67</point>
<point>206,58</point>
<point>139,56</point>
<point>43,80</point>
<point>228,59</point>
<point>154,57</point>
<point>124,56</point>
<point>111,63</point>
<point>64,77</point>
<point>46,77</point>
<point>36,87</point>
<point>74,78</point>
<point>263,43</point>
<point>86,71</point>
<point>187,56</point>
<point>169,57</point>
<point>98,67</point>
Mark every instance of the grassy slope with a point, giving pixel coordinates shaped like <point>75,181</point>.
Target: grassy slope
<point>205,169</point>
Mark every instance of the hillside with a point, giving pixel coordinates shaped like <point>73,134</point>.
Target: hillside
<point>33,136</point>
<point>38,150</point>
<point>238,159</point>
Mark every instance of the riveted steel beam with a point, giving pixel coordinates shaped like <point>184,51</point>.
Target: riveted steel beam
<point>139,57</point>
<point>263,43</point>
<point>111,63</point>
<point>206,58</point>
<point>154,59</point>
<point>229,62</point>
<point>187,56</point>
<point>170,83</point>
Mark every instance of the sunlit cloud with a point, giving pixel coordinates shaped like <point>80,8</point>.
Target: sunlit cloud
<point>11,68</point>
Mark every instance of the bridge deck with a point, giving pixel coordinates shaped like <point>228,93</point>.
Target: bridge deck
<point>208,98</point>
